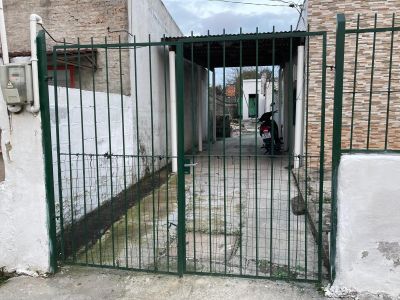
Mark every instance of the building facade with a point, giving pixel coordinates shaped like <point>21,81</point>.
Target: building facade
<point>366,74</point>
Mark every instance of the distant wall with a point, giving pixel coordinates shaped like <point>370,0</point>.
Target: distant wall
<point>151,18</point>
<point>368,239</point>
<point>249,87</point>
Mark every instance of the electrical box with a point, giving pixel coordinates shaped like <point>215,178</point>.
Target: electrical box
<point>16,83</point>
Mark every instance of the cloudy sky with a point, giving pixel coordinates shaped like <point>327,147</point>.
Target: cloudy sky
<point>200,15</point>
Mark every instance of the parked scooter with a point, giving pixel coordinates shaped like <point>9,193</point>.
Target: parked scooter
<point>269,133</point>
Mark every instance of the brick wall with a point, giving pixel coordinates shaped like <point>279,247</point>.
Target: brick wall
<point>321,15</point>
<point>72,19</point>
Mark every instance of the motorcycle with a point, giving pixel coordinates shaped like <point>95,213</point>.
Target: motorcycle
<point>269,133</point>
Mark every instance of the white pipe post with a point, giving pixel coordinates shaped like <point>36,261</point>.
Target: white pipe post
<point>3,36</point>
<point>34,20</point>
<point>4,49</point>
<point>285,108</point>
<point>215,108</point>
<point>199,111</point>
<point>298,140</point>
<point>172,95</point>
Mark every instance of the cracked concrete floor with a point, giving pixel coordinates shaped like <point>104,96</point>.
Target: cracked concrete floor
<point>92,283</point>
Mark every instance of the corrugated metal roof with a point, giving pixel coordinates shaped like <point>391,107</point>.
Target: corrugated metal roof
<point>208,49</point>
<point>227,35</point>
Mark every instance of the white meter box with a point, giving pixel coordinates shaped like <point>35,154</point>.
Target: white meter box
<point>16,83</point>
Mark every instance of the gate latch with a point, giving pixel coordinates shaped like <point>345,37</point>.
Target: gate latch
<point>188,165</point>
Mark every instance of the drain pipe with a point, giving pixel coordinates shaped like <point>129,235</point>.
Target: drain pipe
<point>34,20</point>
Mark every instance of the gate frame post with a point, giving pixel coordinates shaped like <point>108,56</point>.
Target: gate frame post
<point>47,147</point>
<point>337,132</point>
<point>181,160</point>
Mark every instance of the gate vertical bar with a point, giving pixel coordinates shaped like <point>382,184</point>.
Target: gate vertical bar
<point>181,160</point>
<point>69,154</point>
<point>152,155</point>
<point>321,159</point>
<point>83,155</point>
<point>290,152</point>
<point>255,156</point>
<point>60,197</point>
<point>389,82</point>
<point>192,81</point>
<point>165,55</point>
<point>138,191</point>
<point>47,147</point>
<point>240,152</point>
<point>224,145</point>
<point>337,131</point>
<point>272,159</point>
<point>371,91</point>
<point>354,84</point>
<point>96,147</point>
<point>123,148</point>
<point>209,151</point>
<point>110,154</point>
<point>306,157</point>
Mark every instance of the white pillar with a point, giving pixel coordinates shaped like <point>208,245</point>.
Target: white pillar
<point>215,108</point>
<point>298,137</point>
<point>172,95</point>
<point>287,124</point>
<point>199,111</point>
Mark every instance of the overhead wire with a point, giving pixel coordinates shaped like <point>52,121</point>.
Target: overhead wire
<point>284,3</point>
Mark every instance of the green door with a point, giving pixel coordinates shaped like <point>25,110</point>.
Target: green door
<point>253,104</point>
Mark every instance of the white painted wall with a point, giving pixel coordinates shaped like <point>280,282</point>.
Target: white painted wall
<point>151,17</point>
<point>24,242</point>
<point>368,237</point>
<point>199,100</point>
<point>75,144</point>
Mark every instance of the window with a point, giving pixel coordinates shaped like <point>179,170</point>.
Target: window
<point>64,75</point>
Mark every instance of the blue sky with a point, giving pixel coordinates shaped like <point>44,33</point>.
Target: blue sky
<point>200,15</point>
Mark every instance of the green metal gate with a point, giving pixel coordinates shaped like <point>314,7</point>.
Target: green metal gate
<point>229,209</point>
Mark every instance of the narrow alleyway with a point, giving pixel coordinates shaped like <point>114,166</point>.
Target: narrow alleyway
<point>238,219</point>
<point>253,230</point>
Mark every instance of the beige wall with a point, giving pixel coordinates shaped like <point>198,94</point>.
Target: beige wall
<point>321,15</point>
<point>70,20</point>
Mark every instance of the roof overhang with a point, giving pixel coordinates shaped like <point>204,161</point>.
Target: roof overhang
<point>240,49</point>
<point>84,58</point>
